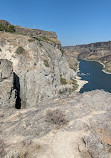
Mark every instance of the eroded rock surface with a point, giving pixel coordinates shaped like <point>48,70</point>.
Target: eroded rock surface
<point>7,93</point>
<point>78,126</point>
<point>42,70</point>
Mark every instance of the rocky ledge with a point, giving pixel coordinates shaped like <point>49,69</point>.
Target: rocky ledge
<point>77,126</point>
<point>29,32</point>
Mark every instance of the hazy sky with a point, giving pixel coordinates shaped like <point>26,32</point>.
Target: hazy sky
<point>74,21</point>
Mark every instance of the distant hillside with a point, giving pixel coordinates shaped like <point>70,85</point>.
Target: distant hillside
<point>100,51</point>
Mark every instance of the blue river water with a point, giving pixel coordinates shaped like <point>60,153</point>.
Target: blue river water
<point>91,71</point>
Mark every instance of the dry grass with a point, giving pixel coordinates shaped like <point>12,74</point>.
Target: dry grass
<point>56,117</point>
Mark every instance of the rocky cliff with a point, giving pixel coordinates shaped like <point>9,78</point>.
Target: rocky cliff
<point>40,69</point>
<point>100,51</point>
<point>54,121</point>
<point>7,92</point>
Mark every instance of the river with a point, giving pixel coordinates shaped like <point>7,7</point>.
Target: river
<point>91,71</point>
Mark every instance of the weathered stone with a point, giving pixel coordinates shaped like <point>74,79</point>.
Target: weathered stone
<point>61,128</point>
<point>7,94</point>
<point>37,80</point>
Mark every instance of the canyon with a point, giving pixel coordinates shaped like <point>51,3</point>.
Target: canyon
<point>41,113</point>
<point>100,51</point>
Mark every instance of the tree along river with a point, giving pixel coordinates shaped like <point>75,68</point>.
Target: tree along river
<point>91,71</point>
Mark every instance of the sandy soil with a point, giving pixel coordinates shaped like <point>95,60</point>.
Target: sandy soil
<point>80,82</point>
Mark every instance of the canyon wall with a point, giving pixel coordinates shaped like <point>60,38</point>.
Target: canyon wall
<point>37,76</point>
<point>100,51</point>
<point>40,68</point>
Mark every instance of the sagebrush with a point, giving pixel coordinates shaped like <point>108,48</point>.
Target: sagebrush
<point>56,117</point>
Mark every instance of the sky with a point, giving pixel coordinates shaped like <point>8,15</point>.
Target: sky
<point>75,21</point>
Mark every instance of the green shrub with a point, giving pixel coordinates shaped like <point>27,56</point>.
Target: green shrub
<point>46,63</point>
<point>40,44</point>
<point>9,28</point>
<point>75,85</point>
<point>20,50</point>
<point>62,51</point>
<point>2,27</point>
<point>73,68</point>
<point>31,40</point>
<point>0,50</point>
<point>46,39</point>
<point>63,80</point>
<point>37,38</point>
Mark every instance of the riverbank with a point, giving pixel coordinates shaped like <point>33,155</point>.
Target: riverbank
<point>80,82</point>
<point>104,67</point>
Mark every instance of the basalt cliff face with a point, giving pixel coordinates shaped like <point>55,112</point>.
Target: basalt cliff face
<point>36,67</point>
<point>100,51</point>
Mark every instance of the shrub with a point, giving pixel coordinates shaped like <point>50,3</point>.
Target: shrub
<point>65,89</point>
<point>40,44</point>
<point>62,52</point>
<point>56,117</point>
<point>46,63</point>
<point>0,50</point>
<point>20,50</point>
<point>75,85</point>
<point>73,67</point>
<point>37,38</point>
<point>2,27</point>
<point>63,80</point>
<point>9,28</point>
<point>31,40</point>
<point>46,39</point>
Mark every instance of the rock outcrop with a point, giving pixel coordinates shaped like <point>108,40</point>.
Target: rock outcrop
<point>77,126</point>
<point>48,35</point>
<point>42,72</point>
<point>7,92</point>
<point>100,51</point>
